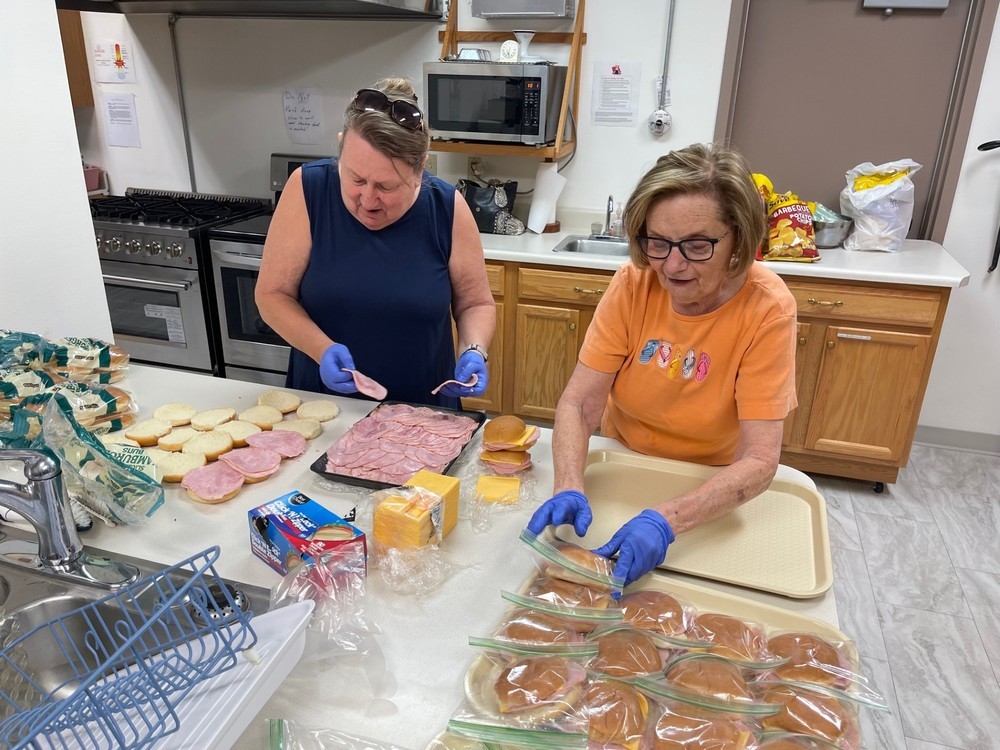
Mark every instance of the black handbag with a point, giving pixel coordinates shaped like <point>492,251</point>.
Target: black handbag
<point>491,205</point>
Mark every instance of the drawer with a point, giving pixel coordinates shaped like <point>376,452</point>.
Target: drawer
<point>562,286</point>
<point>495,276</point>
<point>843,302</point>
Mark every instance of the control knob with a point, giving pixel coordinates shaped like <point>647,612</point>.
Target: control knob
<point>175,250</point>
<point>132,247</point>
<point>116,244</point>
<point>99,241</point>
<point>153,248</point>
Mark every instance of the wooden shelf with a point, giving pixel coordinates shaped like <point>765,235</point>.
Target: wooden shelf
<point>450,38</point>
<point>546,153</point>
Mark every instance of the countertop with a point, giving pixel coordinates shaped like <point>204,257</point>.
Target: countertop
<point>920,262</point>
<point>408,686</point>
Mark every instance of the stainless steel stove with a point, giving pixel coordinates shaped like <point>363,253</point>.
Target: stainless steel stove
<point>157,272</point>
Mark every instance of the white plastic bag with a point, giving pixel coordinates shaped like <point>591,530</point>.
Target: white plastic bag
<point>880,200</point>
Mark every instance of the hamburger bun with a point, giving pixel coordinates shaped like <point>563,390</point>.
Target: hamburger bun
<point>730,636</point>
<point>689,731</point>
<point>578,557</point>
<point>148,431</point>
<point>550,683</point>
<point>569,594</point>
<point>283,401</point>
<point>809,712</point>
<point>264,416</point>
<point>321,411</point>
<point>528,626</point>
<point>793,743</point>
<point>212,418</point>
<point>175,439</point>
<point>709,676</point>
<point>239,431</point>
<point>616,714</point>
<point>654,611</point>
<point>307,428</point>
<point>211,444</point>
<point>504,429</point>
<point>174,465</point>
<point>213,483</point>
<point>626,653</point>
<point>177,414</point>
<point>810,658</point>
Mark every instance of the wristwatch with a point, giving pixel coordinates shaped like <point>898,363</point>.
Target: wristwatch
<point>477,348</point>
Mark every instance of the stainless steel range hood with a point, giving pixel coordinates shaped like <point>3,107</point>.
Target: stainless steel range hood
<point>395,10</point>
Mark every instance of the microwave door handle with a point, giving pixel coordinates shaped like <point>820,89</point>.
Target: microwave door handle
<point>147,283</point>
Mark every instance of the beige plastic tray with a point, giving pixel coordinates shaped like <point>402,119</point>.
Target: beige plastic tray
<point>777,542</point>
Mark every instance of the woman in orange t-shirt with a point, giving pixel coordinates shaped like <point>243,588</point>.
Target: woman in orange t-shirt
<point>690,356</point>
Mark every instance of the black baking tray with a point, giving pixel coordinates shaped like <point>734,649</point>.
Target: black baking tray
<point>319,465</point>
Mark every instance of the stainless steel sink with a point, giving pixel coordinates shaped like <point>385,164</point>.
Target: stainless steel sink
<point>592,245</point>
<point>33,597</point>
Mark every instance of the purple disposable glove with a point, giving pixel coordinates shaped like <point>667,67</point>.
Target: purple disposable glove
<point>641,545</point>
<point>569,506</point>
<point>335,360</point>
<point>469,364</point>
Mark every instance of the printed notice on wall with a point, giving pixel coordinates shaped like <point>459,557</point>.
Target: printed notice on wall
<point>120,120</point>
<point>614,96</point>
<point>113,62</point>
<point>304,116</point>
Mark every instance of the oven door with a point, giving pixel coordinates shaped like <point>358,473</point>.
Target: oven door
<point>157,314</point>
<point>247,341</point>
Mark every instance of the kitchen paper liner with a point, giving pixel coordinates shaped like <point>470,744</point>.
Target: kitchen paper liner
<point>549,185</point>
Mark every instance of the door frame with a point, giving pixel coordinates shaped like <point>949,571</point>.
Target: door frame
<point>961,108</point>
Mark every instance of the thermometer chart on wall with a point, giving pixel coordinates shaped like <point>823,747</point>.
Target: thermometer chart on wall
<point>113,62</point>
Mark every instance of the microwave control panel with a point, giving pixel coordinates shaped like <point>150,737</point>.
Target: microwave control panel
<point>532,105</point>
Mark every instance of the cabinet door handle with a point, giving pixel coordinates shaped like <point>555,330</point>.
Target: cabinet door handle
<point>830,344</point>
<point>802,340</point>
<point>814,301</point>
<point>581,290</point>
<point>572,326</point>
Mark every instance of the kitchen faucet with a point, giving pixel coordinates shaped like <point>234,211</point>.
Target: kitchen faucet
<point>607,216</point>
<point>43,501</point>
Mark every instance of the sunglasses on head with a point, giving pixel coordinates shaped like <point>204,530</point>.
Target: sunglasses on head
<point>403,113</point>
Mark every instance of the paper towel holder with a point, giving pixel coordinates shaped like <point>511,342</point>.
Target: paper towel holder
<point>551,227</point>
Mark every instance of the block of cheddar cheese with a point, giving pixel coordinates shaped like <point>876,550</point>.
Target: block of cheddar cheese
<point>408,517</point>
<point>444,487</point>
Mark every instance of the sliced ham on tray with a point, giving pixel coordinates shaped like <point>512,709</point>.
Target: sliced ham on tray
<point>467,384</point>
<point>254,464</point>
<point>396,441</point>
<point>368,386</point>
<point>287,443</point>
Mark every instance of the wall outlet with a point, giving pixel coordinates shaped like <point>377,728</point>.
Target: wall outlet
<point>431,165</point>
<point>476,168</point>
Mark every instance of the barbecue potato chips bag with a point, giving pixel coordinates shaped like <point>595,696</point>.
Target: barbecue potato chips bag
<point>790,233</point>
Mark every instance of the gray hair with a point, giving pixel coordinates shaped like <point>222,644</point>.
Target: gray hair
<point>384,134</point>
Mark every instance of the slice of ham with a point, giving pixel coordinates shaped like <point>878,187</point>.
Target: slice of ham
<point>368,386</point>
<point>214,482</point>
<point>467,384</point>
<point>253,463</point>
<point>286,443</point>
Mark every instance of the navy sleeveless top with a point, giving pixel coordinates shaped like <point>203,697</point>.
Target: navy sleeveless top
<point>385,294</point>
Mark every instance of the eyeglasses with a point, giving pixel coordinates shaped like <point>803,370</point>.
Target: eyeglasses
<point>696,249</point>
<point>403,113</point>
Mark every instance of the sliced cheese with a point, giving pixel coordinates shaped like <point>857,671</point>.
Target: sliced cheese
<point>444,487</point>
<point>502,490</point>
<point>407,521</point>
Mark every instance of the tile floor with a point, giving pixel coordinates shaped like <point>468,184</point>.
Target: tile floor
<point>917,582</point>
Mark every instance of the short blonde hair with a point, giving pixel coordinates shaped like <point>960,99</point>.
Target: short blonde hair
<point>383,133</point>
<point>712,170</point>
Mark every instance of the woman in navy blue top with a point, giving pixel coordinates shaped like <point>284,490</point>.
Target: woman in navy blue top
<point>368,258</point>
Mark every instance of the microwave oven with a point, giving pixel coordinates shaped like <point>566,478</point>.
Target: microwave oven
<point>494,102</point>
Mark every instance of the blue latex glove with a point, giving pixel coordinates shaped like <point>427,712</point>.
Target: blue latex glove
<point>331,369</point>
<point>569,506</point>
<point>469,364</point>
<point>641,545</point>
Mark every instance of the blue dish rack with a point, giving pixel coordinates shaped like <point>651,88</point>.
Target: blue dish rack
<point>165,633</point>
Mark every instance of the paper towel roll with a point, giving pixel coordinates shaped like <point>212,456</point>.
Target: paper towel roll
<point>549,185</point>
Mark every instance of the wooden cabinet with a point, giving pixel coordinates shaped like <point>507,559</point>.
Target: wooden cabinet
<point>864,354</point>
<point>75,53</point>
<point>542,316</point>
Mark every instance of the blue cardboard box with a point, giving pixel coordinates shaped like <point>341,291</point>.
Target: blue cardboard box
<point>294,528</point>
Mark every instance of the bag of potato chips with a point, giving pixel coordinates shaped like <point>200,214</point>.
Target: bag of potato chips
<point>790,234</point>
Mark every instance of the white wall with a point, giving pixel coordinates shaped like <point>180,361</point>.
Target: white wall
<point>234,71</point>
<point>51,276</point>
<point>962,392</point>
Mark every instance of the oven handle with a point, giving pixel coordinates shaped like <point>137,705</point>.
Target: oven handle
<point>237,260</point>
<point>147,283</point>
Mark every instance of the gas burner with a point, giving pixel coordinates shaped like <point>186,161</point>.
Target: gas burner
<point>183,210</point>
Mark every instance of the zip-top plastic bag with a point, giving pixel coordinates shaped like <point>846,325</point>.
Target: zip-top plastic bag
<point>880,200</point>
<point>682,725</point>
<point>571,562</point>
<point>284,734</point>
